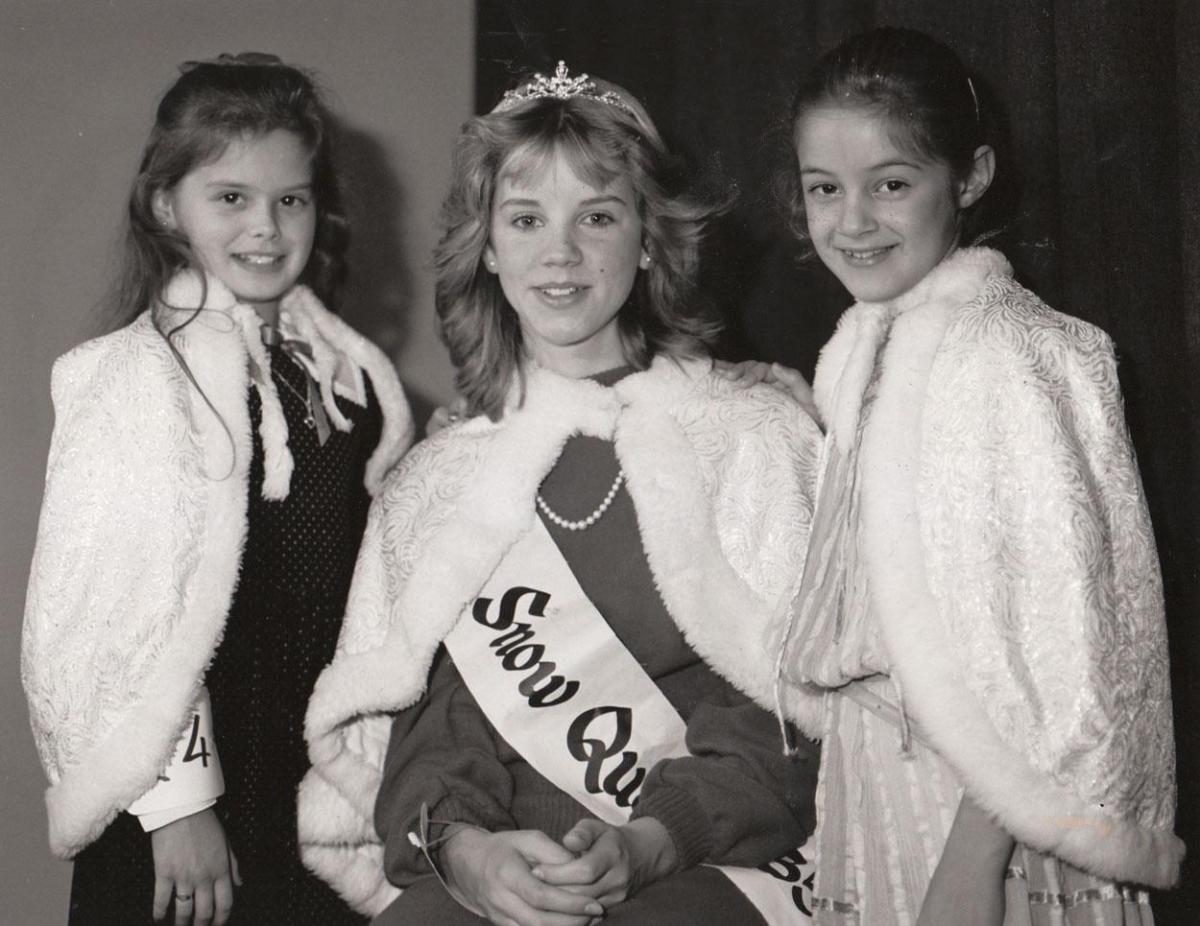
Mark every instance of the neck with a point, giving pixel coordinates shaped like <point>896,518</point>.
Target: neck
<point>575,363</point>
<point>268,312</point>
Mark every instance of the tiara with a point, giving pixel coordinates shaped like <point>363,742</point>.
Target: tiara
<point>560,87</point>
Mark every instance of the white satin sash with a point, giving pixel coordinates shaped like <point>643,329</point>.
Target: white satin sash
<point>558,685</point>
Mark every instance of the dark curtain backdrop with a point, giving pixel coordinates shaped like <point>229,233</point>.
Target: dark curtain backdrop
<point>1103,99</point>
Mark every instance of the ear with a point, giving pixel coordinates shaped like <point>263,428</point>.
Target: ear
<point>645,260</point>
<point>489,259</point>
<point>977,181</point>
<point>164,209</point>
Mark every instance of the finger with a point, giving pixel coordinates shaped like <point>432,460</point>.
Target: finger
<point>787,374</point>
<point>582,835</point>
<point>222,901</point>
<point>162,896</point>
<point>551,899</point>
<point>793,379</point>
<point>583,871</point>
<point>184,905</point>
<point>234,870</point>
<point>202,906</point>
<point>539,849</point>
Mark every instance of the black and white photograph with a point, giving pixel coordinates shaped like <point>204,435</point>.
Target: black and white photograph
<point>600,462</point>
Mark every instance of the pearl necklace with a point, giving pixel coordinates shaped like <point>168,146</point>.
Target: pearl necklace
<point>591,518</point>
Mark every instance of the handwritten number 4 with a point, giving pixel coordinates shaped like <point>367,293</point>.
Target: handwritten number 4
<point>191,755</point>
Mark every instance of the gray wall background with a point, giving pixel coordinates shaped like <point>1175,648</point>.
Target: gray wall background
<point>78,84</point>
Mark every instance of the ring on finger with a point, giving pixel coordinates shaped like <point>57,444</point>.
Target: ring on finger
<point>183,898</point>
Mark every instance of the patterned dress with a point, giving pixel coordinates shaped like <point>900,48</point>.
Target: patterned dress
<point>281,631</point>
<point>886,799</point>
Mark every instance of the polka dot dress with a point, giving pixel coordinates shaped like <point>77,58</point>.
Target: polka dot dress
<point>281,631</point>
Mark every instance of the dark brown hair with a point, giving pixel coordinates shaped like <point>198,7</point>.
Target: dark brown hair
<point>211,104</point>
<point>934,106</point>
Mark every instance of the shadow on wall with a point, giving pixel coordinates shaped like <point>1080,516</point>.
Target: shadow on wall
<point>378,297</point>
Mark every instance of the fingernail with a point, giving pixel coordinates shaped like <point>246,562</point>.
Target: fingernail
<point>593,909</point>
<point>536,872</point>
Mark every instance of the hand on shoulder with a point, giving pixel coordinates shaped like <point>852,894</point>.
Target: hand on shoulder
<point>785,379</point>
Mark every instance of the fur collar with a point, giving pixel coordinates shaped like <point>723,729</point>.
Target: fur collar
<point>340,356</point>
<point>682,437</point>
<point>202,451</point>
<point>699,586</point>
<point>847,360</point>
<point>1037,810</point>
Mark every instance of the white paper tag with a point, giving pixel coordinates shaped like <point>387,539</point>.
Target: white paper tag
<point>194,773</point>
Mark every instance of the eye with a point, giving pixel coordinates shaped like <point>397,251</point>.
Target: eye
<point>822,190</point>
<point>294,200</point>
<point>598,219</point>
<point>893,186</point>
<point>232,198</point>
<point>525,221</point>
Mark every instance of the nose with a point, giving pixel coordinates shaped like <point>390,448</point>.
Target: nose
<point>264,223</point>
<point>856,216</point>
<point>562,249</point>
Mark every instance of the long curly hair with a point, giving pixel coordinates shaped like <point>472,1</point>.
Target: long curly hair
<point>601,142</point>
<point>211,104</point>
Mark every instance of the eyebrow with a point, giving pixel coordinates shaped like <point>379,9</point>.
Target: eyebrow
<point>526,202</point>
<point>236,185</point>
<point>882,165</point>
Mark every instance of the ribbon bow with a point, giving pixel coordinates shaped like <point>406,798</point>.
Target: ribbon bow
<point>294,348</point>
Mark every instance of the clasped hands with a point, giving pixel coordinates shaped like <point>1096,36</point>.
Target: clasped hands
<point>525,878</point>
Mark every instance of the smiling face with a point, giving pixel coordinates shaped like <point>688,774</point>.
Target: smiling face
<point>567,254</point>
<point>248,216</point>
<point>879,216</point>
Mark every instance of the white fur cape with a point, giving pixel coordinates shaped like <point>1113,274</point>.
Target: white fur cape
<point>720,480</point>
<point>1011,560</point>
<point>141,533</point>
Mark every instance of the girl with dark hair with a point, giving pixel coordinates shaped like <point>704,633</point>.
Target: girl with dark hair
<point>551,691</point>
<point>208,483</point>
<point>981,598</point>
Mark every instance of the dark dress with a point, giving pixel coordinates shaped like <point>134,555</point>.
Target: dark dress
<point>281,631</point>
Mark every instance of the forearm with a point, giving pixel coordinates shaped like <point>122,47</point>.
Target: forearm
<point>442,757</point>
<point>970,873</point>
<point>738,799</point>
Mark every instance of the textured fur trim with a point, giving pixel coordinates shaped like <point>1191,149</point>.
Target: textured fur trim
<point>692,573</point>
<point>1035,810</point>
<point>117,771</point>
<point>217,345</point>
<point>718,612</point>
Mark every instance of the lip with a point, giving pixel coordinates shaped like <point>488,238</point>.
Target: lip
<point>557,292</point>
<point>258,260</point>
<point>865,257</point>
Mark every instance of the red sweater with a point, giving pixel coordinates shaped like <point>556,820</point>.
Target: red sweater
<point>735,800</point>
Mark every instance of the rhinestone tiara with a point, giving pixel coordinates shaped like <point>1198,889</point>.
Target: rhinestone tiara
<point>560,87</point>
